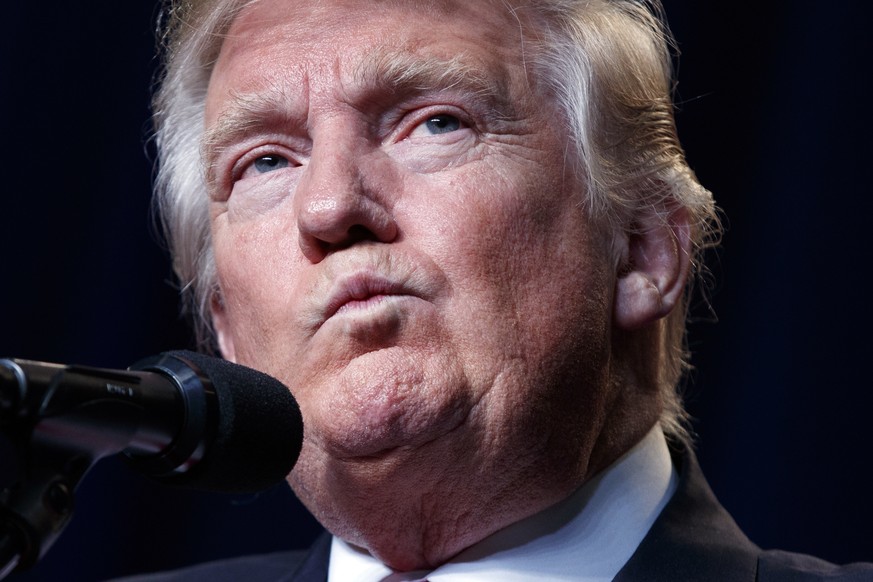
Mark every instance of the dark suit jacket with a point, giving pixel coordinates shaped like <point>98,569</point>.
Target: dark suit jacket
<point>694,539</point>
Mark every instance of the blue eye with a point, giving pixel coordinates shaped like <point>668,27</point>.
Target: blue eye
<point>443,124</point>
<point>270,163</point>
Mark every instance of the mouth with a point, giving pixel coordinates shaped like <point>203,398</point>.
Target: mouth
<point>360,292</point>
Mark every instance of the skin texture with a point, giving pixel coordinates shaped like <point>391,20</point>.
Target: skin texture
<point>399,239</point>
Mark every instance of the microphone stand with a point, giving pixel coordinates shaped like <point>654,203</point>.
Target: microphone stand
<point>51,437</point>
<point>41,468</point>
<point>37,508</point>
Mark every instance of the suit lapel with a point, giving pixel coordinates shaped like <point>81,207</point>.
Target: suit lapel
<point>314,565</point>
<point>694,538</point>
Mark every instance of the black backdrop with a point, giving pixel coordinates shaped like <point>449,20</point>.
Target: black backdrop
<point>774,114</point>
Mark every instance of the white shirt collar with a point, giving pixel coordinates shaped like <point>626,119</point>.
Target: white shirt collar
<point>587,537</point>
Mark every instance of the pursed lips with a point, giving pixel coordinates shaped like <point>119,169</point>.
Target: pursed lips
<point>359,291</point>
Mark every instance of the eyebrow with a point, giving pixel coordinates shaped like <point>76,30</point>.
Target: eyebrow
<point>247,113</point>
<point>387,72</point>
<point>404,72</point>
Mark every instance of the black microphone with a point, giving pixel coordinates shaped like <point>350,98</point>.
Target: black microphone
<point>181,417</point>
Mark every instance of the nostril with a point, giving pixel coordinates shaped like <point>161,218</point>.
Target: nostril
<point>317,248</point>
<point>359,233</point>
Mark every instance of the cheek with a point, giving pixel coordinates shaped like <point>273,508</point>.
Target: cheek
<point>521,258</point>
<point>508,229</point>
<point>254,278</point>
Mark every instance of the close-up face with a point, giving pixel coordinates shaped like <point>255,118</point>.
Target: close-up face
<point>400,235</point>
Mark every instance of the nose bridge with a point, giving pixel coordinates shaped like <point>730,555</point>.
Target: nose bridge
<point>332,178</point>
<point>339,200</point>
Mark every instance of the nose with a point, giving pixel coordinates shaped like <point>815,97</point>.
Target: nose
<point>342,200</point>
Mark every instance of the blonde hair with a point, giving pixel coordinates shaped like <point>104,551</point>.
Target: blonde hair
<point>607,62</point>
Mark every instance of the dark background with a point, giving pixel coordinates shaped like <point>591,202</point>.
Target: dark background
<point>774,111</point>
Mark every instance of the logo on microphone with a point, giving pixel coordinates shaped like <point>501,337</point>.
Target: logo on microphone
<point>120,390</point>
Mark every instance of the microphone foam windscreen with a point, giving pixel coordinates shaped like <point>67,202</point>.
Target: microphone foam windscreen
<point>259,432</point>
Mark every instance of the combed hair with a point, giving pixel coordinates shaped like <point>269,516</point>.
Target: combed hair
<point>608,63</point>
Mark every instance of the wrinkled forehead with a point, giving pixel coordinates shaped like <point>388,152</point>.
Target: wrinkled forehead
<point>357,40</point>
<point>330,24</point>
<point>324,13</point>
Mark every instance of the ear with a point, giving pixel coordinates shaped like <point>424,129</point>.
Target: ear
<point>221,325</point>
<point>654,269</point>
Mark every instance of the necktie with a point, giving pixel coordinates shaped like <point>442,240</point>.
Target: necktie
<point>418,576</point>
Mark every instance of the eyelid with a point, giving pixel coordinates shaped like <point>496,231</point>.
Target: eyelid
<point>414,118</point>
<point>243,162</point>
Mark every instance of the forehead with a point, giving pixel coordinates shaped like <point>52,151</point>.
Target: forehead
<point>267,22</point>
<point>351,40</point>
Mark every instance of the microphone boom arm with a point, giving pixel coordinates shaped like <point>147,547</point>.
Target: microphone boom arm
<point>56,436</point>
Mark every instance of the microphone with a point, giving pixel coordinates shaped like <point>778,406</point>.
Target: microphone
<point>181,417</point>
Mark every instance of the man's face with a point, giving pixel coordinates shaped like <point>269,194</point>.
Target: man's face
<point>401,238</point>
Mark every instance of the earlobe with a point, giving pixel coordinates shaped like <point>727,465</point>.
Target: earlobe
<point>654,270</point>
<point>222,328</point>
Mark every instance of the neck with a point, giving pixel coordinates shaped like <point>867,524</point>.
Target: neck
<point>413,510</point>
<point>444,512</point>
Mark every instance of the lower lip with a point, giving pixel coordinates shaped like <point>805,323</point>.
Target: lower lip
<point>362,304</point>
<point>377,319</point>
